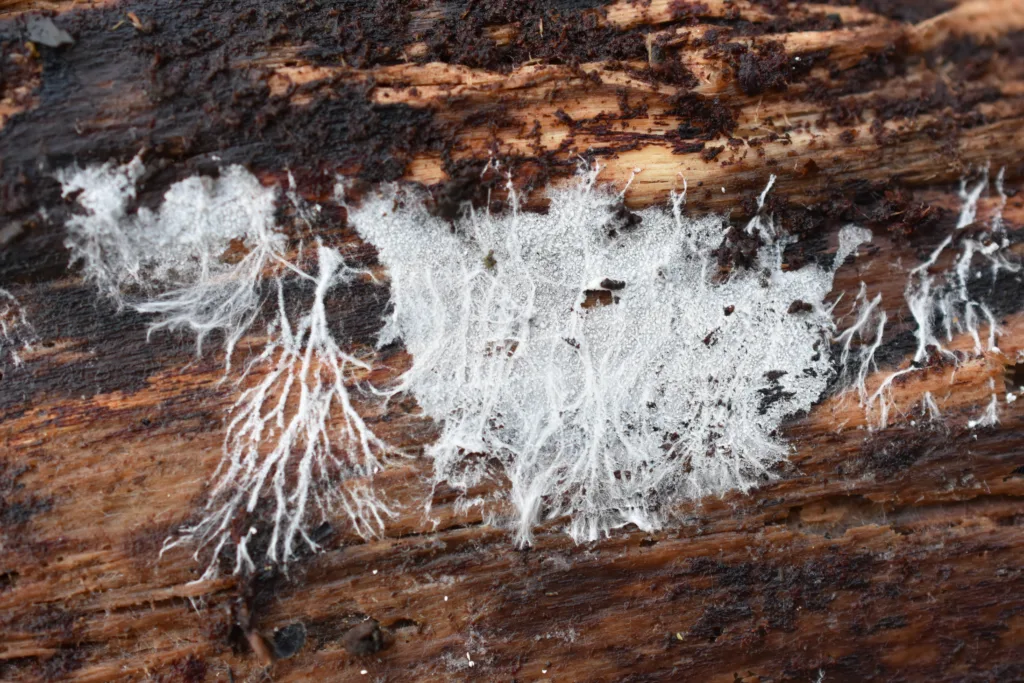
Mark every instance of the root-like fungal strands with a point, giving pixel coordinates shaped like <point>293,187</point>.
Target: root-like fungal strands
<point>941,304</point>
<point>944,307</point>
<point>298,417</point>
<point>869,324</point>
<point>204,261</point>
<point>177,263</point>
<point>16,333</point>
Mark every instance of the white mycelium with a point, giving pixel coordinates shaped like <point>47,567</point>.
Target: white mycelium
<point>608,368</point>
<point>294,434</point>
<point>16,333</point>
<point>169,262</point>
<point>608,413</point>
<point>941,305</point>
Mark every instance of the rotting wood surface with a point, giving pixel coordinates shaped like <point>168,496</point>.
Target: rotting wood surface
<point>887,555</point>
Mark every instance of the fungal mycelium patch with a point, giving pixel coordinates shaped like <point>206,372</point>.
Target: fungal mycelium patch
<point>16,334</point>
<point>943,303</point>
<point>672,386</point>
<point>212,259</point>
<point>595,358</point>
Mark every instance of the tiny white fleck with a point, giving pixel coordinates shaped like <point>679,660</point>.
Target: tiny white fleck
<point>446,598</point>
<point>723,190</point>
<point>364,672</point>
<point>543,671</point>
<point>374,571</point>
<point>1010,398</point>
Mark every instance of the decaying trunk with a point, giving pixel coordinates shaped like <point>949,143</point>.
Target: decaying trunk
<point>874,554</point>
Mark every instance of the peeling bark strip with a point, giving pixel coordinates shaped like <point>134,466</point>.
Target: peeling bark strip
<point>873,554</point>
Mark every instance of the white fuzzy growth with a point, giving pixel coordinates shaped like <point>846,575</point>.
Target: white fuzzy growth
<point>16,333</point>
<point>941,305</point>
<point>990,417</point>
<point>169,262</point>
<point>946,298</point>
<point>605,414</point>
<point>295,435</point>
<point>929,408</point>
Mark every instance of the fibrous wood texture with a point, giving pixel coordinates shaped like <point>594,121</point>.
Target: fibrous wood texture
<point>892,554</point>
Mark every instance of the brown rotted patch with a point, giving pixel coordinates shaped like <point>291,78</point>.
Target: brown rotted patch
<point>688,12</point>
<point>891,452</point>
<point>110,349</point>
<point>471,182</point>
<point>558,33</point>
<point>953,99</point>
<point>769,595</point>
<point>59,629</point>
<point>763,68</point>
<point>20,67</point>
<point>910,11</point>
<point>704,118</point>
<point>359,634</point>
<point>189,669</point>
<point>17,504</point>
<point>737,250</point>
<point>785,22</point>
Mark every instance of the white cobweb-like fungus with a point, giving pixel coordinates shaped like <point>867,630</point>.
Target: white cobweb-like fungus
<point>990,416</point>
<point>16,334</point>
<point>174,262</point>
<point>944,307</point>
<point>868,327</point>
<point>941,305</point>
<point>298,416</point>
<point>607,414</point>
<point>202,262</point>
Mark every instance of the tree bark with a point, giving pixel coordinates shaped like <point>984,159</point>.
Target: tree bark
<point>888,554</point>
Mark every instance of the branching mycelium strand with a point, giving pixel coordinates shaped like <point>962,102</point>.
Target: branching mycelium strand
<point>298,416</point>
<point>172,263</point>
<point>947,306</point>
<point>869,323</point>
<point>202,262</point>
<point>941,306</point>
<point>16,334</point>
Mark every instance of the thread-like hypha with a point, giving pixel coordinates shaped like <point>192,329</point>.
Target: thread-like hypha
<point>941,305</point>
<point>945,306</point>
<point>203,262</point>
<point>868,328</point>
<point>16,333</point>
<point>673,388</point>
<point>990,417</point>
<point>297,432</point>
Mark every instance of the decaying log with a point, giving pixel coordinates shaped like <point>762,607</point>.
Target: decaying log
<point>875,554</point>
